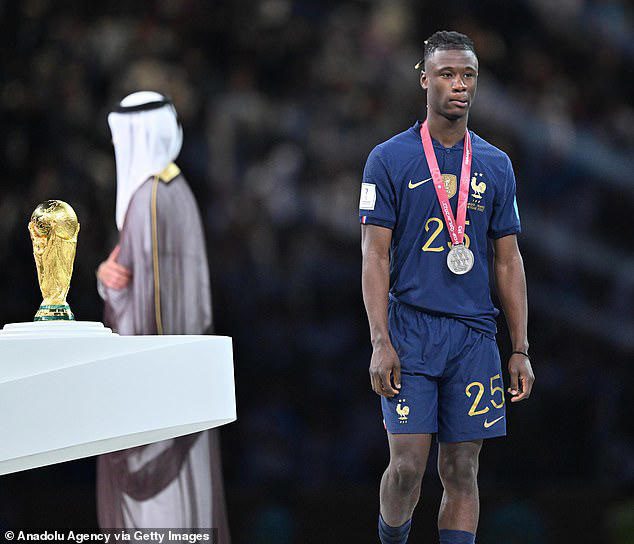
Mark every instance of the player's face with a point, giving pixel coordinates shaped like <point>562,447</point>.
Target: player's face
<point>450,79</point>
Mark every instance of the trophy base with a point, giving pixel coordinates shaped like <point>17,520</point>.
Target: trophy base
<point>52,329</point>
<point>54,312</point>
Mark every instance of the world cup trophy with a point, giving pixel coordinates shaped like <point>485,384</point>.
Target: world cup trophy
<point>54,228</point>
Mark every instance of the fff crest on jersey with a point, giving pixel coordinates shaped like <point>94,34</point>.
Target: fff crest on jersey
<point>451,184</point>
<point>477,185</point>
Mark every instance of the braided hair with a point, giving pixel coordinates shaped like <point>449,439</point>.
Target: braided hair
<point>445,40</point>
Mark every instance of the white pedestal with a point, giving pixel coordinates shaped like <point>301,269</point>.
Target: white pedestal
<point>73,389</point>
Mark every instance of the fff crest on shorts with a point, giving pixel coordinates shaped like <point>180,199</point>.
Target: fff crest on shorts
<point>451,184</point>
<point>402,410</point>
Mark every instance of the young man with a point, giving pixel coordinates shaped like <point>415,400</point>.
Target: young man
<point>430,199</point>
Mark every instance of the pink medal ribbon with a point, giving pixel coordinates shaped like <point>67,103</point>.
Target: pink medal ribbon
<point>460,259</point>
<point>454,226</point>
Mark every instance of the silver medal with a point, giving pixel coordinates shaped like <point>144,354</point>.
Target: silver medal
<point>460,259</point>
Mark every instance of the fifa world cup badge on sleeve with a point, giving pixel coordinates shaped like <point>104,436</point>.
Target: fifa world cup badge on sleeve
<point>368,196</point>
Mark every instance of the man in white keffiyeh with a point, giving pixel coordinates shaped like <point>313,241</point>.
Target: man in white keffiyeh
<point>156,281</point>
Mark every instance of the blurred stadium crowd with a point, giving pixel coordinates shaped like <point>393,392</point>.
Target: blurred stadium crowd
<point>281,101</point>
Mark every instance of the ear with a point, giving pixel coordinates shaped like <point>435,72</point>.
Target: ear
<point>424,83</point>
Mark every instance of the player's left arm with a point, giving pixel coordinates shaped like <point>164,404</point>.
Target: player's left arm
<point>511,285</point>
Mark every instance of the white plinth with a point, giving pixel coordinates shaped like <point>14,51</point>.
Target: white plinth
<point>74,389</point>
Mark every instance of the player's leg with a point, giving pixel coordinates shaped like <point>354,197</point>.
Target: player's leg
<point>401,485</point>
<point>401,482</point>
<point>470,409</point>
<point>410,418</point>
<point>460,506</point>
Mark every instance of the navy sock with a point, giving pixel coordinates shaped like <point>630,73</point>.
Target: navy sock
<point>447,536</point>
<point>393,535</point>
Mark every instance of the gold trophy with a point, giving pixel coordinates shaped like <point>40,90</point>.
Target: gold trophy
<point>54,228</point>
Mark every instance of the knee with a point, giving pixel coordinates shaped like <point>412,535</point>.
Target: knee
<point>459,473</point>
<point>407,472</point>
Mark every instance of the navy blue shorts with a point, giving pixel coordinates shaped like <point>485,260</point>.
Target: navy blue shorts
<point>451,380</point>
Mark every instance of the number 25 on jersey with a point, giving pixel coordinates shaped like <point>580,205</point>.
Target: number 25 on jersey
<point>438,229</point>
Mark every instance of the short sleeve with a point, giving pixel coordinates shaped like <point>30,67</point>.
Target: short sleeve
<point>505,218</point>
<point>377,202</point>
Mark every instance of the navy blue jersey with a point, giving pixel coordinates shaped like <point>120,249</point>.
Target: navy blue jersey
<point>398,193</point>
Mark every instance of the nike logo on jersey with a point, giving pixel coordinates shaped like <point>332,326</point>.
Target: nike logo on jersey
<point>488,424</point>
<point>414,185</point>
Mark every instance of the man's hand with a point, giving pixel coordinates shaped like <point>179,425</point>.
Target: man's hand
<point>522,377</point>
<point>385,370</point>
<point>112,274</point>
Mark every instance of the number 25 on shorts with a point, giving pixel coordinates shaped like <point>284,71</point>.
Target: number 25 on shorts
<point>479,387</point>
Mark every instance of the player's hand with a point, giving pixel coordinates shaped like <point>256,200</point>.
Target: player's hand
<point>112,274</point>
<point>522,377</point>
<point>385,370</point>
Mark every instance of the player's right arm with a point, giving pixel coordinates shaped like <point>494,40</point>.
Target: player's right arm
<point>385,367</point>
